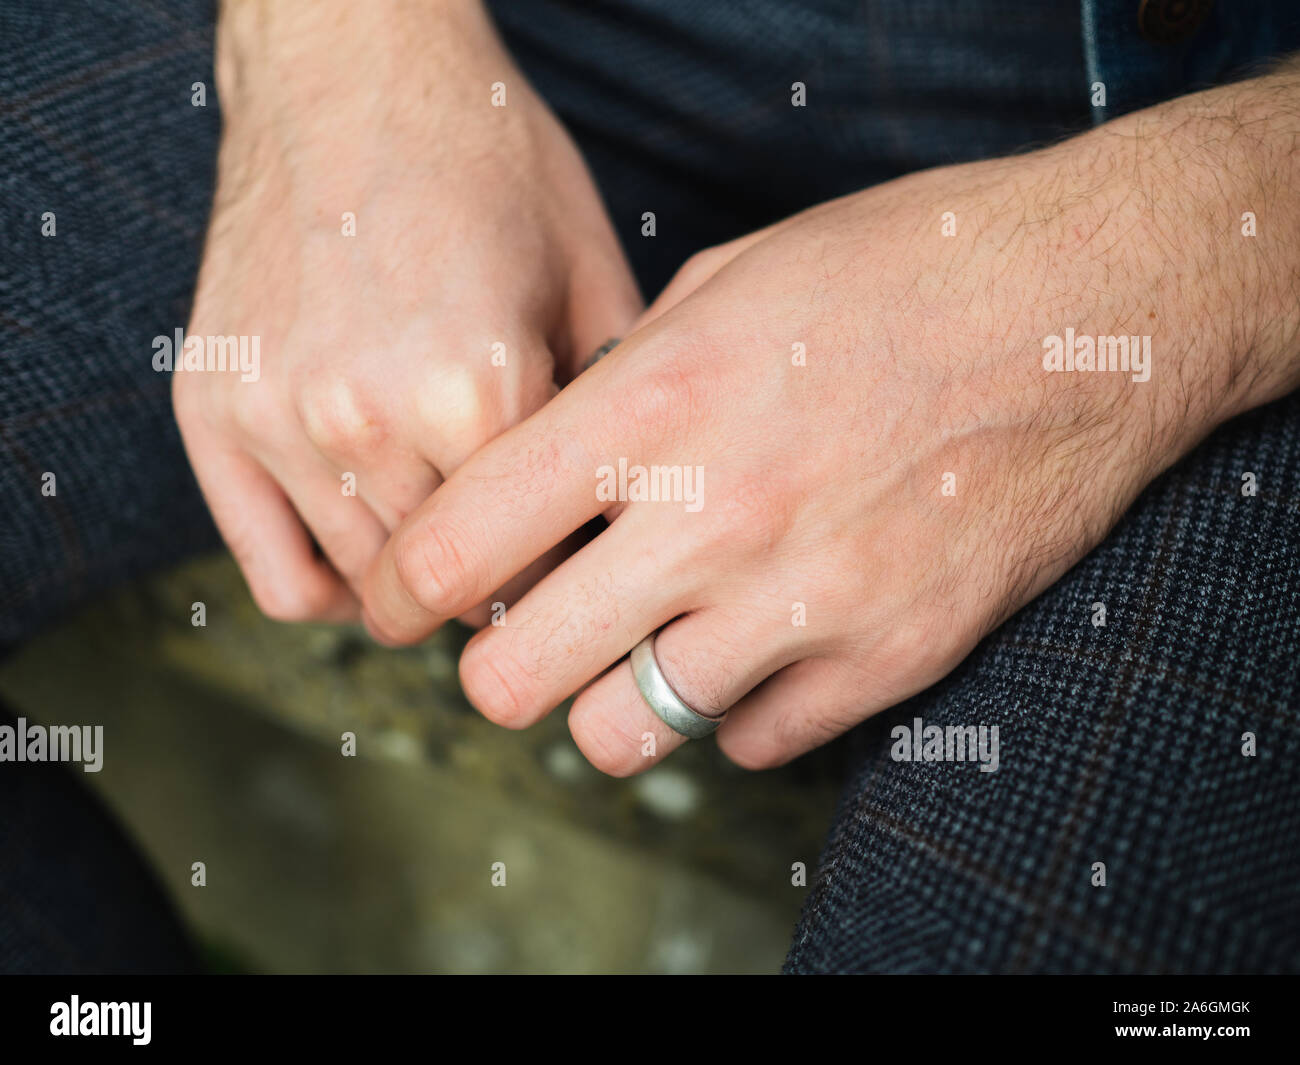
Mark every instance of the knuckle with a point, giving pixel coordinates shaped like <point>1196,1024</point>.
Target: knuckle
<point>454,402</point>
<point>751,516</point>
<point>339,418</point>
<point>918,644</point>
<point>473,406</point>
<point>660,403</point>
<point>699,267</point>
<point>436,569</point>
<point>256,411</point>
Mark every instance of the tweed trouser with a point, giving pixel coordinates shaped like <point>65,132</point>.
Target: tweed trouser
<point>1120,744</point>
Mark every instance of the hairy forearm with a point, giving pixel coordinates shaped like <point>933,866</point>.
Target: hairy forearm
<point>1222,171</point>
<point>1212,181</point>
<point>318,54</point>
<point>1180,222</point>
<point>341,97</point>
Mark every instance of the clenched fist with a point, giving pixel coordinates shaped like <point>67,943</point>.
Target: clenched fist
<point>422,255</point>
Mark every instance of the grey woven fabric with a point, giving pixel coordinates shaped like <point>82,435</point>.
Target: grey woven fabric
<point>1120,744</point>
<point>97,130</point>
<point>684,108</point>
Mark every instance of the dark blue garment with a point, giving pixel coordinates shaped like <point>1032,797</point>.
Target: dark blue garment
<point>75,894</point>
<point>1120,745</point>
<point>1236,38</point>
<point>684,108</point>
<point>97,131</point>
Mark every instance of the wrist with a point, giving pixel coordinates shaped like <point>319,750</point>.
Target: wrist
<point>324,57</point>
<point>1212,175</point>
<point>332,98</point>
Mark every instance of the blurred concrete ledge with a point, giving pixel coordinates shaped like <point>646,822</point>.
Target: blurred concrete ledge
<point>222,744</point>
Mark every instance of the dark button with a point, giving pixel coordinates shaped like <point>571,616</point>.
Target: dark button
<point>1171,21</point>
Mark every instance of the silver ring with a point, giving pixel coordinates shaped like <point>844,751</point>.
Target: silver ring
<point>660,697</point>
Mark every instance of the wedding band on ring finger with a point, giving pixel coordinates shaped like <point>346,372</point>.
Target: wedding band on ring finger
<point>663,701</point>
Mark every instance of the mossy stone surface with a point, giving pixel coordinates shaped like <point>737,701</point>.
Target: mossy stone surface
<point>223,745</point>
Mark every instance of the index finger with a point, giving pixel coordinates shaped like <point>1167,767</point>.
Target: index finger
<point>507,505</point>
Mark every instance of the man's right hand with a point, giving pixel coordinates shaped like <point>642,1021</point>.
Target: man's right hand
<point>482,269</point>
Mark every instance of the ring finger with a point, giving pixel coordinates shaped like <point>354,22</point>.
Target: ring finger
<point>711,658</point>
<point>577,621</point>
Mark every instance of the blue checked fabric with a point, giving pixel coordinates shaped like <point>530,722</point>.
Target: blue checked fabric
<point>1119,744</point>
